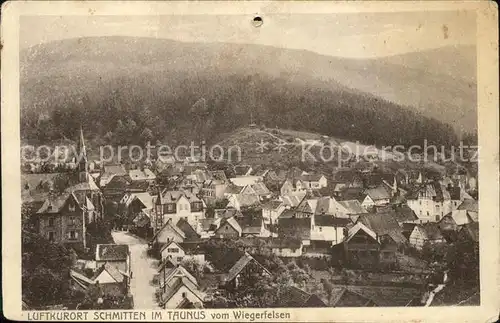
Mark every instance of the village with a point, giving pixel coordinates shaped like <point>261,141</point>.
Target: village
<point>186,233</point>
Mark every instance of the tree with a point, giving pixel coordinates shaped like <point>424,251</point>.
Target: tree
<point>45,271</point>
<point>146,135</point>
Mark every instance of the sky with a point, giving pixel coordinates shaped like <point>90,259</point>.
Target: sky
<point>353,35</point>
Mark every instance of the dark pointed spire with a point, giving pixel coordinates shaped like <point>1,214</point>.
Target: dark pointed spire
<point>81,144</point>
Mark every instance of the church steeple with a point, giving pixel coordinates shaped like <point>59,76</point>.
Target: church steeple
<point>83,174</point>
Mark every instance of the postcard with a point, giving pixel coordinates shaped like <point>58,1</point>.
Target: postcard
<point>250,161</point>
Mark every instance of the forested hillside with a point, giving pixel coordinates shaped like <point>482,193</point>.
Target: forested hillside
<point>130,90</point>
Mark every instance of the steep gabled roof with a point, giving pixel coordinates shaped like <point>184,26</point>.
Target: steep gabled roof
<point>240,265</point>
<point>54,204</point>
<point>179,271</point>
<point>430,231</point>
<point>232,222</point>
<point>188,230</point>
<point>180,282</point>
<point>292,200</point>
<point>111,270</point>
<point>344,297</point>
<point>170,224</point>
<point>260,188</point>
<point>460,217</point>
<point>292,296</point>
<point>383,224</point>
<point>378,193</point>
<point>353,206</point>
<point>174,196</point>
<point>272,205</point>
<point>219,175</point>
<point>469,205</point>
<point>472,229</point>
<point>359,226</point>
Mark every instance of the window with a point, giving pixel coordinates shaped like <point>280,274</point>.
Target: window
<point>71,220</point>
<point>51,222</point>
<point>51,236</point>
<point>71,207</point>
<point>184,295</point>
<point>173,250</point>
<point>72,235</point>
<point>179,259</point>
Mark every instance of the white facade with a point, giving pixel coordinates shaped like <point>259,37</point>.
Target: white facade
<point>428,210</point>
<point>182,293</point>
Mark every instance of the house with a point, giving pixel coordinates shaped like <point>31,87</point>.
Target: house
<point>117,186</point>
<point>426,233</point>
<point>272,210</point>
<point>176,205</point>
<point>377,196</point>
<point>229,228</point>
<point>182,294</point>
<point>432,201</point>
<point>133,204</point>
<point>239,201</point>
<point>109,171</point>
<point>226,213</point>
<point>169,232</point>
<point>286,247</point>
<point>352,208</point>
<point>246,271</point>
<point>469,232</point>
<point>354,193</point>
<point>400,212</point>
<point>167,271</point>
<point>190,233</point>
<point>111,280</point>
<point>79,280</point>
<point>362,248</point>
<point>246,180</point>
<point>172,251</point>
<point>219,175</point>
<point>288,187</point>
<point>454,220</point>
<point>472,208</point>
<point>292,296</point>
<point>64,219</point>
<point>179,289</point>
<point>345,297</point>
<point>116,255</point>
<point>312,181</point>
<point>254,227</point>
<point>384,224</point>
<point>294,225</point>
<point>213,191</point>
<point>243,170</point>
<point>292,200</point>
<point>325,227</point>
<point>258,189</point>
<point>143,175</point>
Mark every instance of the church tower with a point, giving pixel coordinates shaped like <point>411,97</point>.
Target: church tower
<point>83,167</point>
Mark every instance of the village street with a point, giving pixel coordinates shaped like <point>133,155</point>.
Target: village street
<point>143,269</point>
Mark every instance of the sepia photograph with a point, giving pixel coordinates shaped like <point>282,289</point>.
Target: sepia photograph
<point>250,159</point>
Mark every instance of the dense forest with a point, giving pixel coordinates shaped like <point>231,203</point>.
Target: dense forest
<point>177,92</point>
<point>136,113</point>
